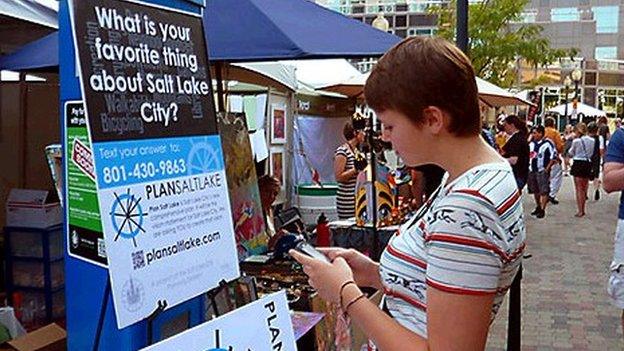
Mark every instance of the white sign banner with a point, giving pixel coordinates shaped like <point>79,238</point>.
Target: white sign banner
<point>262,325</point>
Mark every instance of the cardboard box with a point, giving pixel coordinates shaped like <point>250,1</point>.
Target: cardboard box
<point>33,209</point>
<point>49,338</point>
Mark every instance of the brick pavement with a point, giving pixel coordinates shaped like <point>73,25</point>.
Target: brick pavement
<point>565,304</point>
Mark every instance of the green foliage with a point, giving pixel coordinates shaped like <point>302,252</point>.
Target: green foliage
<point>498,39</point>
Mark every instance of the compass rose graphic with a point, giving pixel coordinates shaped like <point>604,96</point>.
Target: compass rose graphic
<point>203,157</point>
<point>127,216</point>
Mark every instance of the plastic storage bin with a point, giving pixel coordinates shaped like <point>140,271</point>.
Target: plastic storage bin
<point>35,273</point>
<point>28,243</point>
<point>31,307</point>
<point>32,274</point>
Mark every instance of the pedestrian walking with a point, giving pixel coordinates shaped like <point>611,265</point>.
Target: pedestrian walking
<point>593,131</point>
<point>603,129</point>
<point>556,171</point>
<point>581,152</point>
<point>516,149</point>
<point>614,181</point>
<point>542,154</point>
<point>568,137</point>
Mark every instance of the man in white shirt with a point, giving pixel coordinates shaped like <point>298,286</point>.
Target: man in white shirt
<point>542,156</point>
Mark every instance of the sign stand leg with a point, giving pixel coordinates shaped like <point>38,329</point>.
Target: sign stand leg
<point>98,330</point>
<point>162,304</point>
<point>212,295</point>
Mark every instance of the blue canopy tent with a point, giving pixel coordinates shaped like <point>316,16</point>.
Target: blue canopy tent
<point>252,30</point>
<point>260,30</point>
<point>40,55</point>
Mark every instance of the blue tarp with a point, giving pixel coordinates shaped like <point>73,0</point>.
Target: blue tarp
<point>256,30</point>
<point>253,30</point>
<point>40,55</point>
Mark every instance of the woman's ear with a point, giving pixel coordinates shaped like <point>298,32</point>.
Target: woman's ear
<point>434,120</point>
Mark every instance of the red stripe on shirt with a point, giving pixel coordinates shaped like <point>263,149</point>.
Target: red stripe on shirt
<point>412,301</point>
<point>456,290</point>
<point>474,193</point>
<point>421,225</point>
<point>403,256</point>
<point>475,243</point>
<point>509,203</point>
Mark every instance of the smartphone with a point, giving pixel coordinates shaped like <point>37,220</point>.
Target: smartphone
<point>311,251</point>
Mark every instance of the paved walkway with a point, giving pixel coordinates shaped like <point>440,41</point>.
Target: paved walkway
<point>565,304</point>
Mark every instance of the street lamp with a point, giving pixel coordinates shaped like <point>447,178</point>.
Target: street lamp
<point>576,77</point>
<point>381,23</point>
<point>566,86</point>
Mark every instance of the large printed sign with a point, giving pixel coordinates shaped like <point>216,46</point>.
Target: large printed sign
<point>267,326</point>
<point>158,165</point>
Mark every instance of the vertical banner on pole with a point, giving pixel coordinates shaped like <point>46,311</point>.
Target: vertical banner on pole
<point>535,97</point>
<point>159,166</point>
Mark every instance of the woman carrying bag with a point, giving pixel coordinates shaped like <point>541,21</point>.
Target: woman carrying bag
<point>581,151</point>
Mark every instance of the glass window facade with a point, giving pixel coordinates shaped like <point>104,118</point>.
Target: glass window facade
<point>606,52</point>
<point>607,18</point>
<point>528,16</point>
<point>564,14</point>
<point>421,31</point>
<point>611,101</point>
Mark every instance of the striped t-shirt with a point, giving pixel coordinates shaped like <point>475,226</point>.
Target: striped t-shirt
<point>467,239</point>
<point>345,196</point>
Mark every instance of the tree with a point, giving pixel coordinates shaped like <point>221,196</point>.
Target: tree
<point>498,39</point>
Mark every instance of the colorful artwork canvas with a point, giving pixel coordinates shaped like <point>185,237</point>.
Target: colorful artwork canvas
<point>249,226</point>
<point>385,197</point>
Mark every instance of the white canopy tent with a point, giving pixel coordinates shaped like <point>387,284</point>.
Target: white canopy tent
<point>581,108</point>
<point>495,96</point>
<point>312,136</point>
<point>490,94</point>
<point>323,72</point>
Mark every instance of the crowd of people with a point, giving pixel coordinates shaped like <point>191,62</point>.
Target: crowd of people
<point>587,152</point>
<point>541,157</point>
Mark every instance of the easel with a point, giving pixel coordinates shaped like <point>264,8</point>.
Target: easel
<point>162,305</point>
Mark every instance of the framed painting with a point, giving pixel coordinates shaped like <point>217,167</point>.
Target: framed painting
<point>277,165</point>
<point>278,123</point>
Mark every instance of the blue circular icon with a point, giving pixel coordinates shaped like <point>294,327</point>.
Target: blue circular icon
<point>127,216</point>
